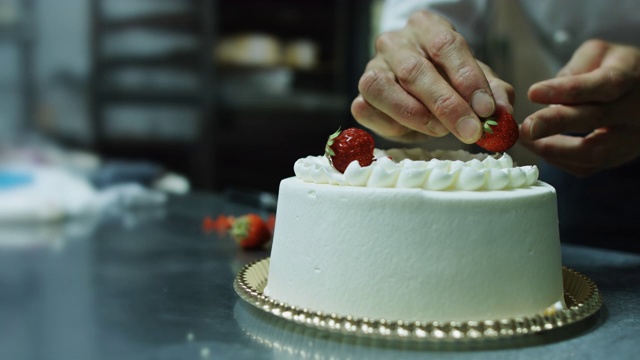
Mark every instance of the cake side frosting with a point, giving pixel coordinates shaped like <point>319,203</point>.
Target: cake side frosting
<point>417,168</point>
<point>411,254</point>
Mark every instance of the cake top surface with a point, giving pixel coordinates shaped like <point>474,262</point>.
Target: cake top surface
<point>440,170</point>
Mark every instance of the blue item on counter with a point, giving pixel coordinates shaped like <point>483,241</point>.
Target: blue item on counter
<point>12,179</point>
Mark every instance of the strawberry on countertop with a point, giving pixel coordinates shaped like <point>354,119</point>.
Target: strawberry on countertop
<point>271,223</point>
<point>500,132</point>
<point>221,224</point>
<point>250,231</point>
<point>351,144</point>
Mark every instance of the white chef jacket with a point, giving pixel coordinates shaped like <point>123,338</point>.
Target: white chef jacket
<point>561,25</point>
<point>594,210</point>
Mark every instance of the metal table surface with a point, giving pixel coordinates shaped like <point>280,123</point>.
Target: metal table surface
<point>152,285</point>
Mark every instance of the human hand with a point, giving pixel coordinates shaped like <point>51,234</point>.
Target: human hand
<point>424,81</point>
<point>597,93</point>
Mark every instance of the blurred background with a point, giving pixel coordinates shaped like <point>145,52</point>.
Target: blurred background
<point>109,107</point>
<point>226,93</point>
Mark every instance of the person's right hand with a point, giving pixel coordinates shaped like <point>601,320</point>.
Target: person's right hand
<point>424,81</point>
<point>596,94</point>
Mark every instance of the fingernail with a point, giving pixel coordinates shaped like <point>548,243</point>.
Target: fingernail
<point>482,103</point>
<point>537,129</point>
<point>469,129</point>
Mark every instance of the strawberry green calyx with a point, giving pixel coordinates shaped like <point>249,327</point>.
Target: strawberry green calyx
<point>328,151</point>
<point>250,231</point>
<point>240,228</point>
<point>488,124</point>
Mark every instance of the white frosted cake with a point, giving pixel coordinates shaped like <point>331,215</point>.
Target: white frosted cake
<point>417,236</point>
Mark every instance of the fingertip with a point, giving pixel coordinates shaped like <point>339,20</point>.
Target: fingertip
<point>469,129</point>
<point>482,103</point>
<point>359,107</point>
<point>533,129</point>
<point>525,129</point>
<point>533,94</point>
<point>530,92</point>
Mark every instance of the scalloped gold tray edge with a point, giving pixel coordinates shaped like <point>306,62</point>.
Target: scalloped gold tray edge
<point>581,296</point>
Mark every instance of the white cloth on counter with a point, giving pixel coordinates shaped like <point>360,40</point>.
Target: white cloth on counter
<point>48,194</point>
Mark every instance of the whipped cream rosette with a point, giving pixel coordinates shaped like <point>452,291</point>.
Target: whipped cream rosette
<point>417,168</point>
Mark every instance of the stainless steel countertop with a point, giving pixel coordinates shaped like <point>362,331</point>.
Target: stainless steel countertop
<point>152,285</point>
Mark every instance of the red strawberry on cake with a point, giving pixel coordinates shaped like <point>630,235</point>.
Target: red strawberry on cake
<point>500,132</point>
<point>352,144</point>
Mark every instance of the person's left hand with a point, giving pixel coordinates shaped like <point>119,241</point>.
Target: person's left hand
<point>596,93</point>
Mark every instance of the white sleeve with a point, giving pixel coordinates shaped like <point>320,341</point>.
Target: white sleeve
<point>470,17</point>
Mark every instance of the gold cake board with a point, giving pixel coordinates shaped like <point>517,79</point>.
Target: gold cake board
<point>581,297</point>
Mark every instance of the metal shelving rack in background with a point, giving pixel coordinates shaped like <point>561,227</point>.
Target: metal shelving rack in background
<point>190,153</point>
<point>248,137</point>
<point>18,29</point>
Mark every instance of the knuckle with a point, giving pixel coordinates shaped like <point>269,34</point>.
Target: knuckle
<point>410,69</point>
<point>384,41</point>
<point>444,43</point>
<point>464,76</point>
<point>409,112</point>
<point>418,18</point>
<point>617,82</point>
<point>371,83</point>
<point>598,45</point>
<point>444,105</point>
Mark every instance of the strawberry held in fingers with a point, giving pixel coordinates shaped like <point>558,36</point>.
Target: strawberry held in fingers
<point>250,231</point>
<point>500,132</point>
<point>351,144</point>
